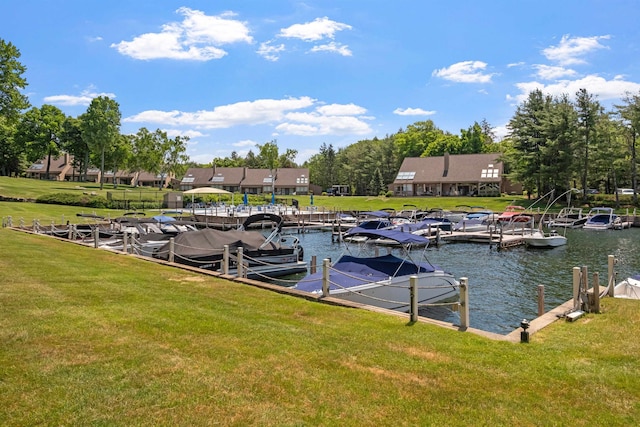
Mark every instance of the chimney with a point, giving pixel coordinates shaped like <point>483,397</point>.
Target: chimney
<point>446,165</point>
<point>66,159</point>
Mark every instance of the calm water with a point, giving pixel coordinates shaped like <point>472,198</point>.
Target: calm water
<point>503,284</point>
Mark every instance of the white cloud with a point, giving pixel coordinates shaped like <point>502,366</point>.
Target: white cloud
<point>341,110</point>
<point>270,52</point>
<point>594,84</point>
<point>322,122</point>
<point>465,72</point>
<point>85,98</point>
<point>318,29</point>
<point>198,37</point>
<point>550,72</point>
<point>256,112</point>
<point>571,50</point>
<point>413,112</point>
<point>245,143</point>
<point>172,133</point>
<point>333,47</point>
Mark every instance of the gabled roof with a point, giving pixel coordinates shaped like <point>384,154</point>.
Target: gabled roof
<point>257,178</point>
<point>57,165</point>
<point>461,168</point>
<point>292,177</point>
<point>205,177</point>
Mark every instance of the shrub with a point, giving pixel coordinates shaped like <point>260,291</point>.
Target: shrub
<point>72,199</point>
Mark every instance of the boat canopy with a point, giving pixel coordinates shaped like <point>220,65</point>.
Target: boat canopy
<point>402,237</point>
<point>350,271</point>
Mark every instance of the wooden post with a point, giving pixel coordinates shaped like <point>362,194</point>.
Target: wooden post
<point>225,260</point>
<point>326,265</point>
<point>125,241</point>
<point>413,298</point>
<point>464,303</point>
<point>96,237</point>
<point>584,285</point>
<point>172,249</point>
<point>576,286</point>
<point>314,262</point>
<point>540,300</point>
<point>69,231</point>
<point>240,265</point>
<point>596,293</point>
<point>611,261</point>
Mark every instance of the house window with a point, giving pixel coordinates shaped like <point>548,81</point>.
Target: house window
<point>218,178</point>
<point>302,180</point>
<point>490,173</point>
<point>405,175</point>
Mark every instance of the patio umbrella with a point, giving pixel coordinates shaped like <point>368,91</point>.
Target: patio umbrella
<point>245,199</point>
<point>205,190</point>
<point>273,198</point>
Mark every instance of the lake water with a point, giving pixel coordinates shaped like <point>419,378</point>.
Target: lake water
<point>503,284</point>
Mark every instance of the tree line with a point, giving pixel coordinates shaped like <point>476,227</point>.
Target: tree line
<point>553,143</point>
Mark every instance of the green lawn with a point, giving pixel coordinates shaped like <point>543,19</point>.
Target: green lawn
<point>89,337</point>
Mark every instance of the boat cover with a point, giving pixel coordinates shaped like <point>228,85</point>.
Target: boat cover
<point>402,237</point>
<point>209,242</point>
<point>350,271</point>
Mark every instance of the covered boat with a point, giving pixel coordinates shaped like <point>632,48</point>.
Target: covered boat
<point>628,288</point>
<point>603,218</point>
<point>270,256</point>
<point>384,281</point>
<point>568,218</point>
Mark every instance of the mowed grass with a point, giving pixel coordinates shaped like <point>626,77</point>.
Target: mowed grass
<point>89,337</point>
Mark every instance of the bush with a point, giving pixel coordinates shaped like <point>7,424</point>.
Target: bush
<point>72,199</point>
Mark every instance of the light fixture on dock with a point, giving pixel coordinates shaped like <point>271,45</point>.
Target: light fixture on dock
<point>524,335</point>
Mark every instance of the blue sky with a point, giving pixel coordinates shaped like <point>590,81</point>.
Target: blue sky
<point>233,74</point>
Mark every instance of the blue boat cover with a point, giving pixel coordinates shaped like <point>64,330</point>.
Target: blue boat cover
<point>350,271</point>
<point>377,214</point>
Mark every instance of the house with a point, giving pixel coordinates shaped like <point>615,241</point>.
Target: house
<point>59,168</point>
<point>285,181</point>
<point>451,175</point>
<point>62,168</point>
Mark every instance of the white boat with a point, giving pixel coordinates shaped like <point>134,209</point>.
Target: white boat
<point>540,239</point>
<point>568,218</point>
<point>602,218</point>
<point>383,281</point>
<point>628,288</point>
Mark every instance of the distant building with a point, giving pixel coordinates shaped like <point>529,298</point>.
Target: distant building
<point>452,175</point>
<point>62,169</point>
<point>284,181</point>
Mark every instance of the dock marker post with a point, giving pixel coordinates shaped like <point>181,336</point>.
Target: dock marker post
<point>413,297</point>
<point>464,303</point>
<point>540,300</point>
<point>326,264</point>
<point>611,261</point>
<point>225,260</point>
<point>172,249</point>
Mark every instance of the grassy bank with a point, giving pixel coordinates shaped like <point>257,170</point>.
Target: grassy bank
<point>94,338</point>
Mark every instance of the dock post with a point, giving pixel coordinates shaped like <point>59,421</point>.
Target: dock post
<point>96,237</point>
<point>611,261</point>
<point>240,265</point>
<point>576,286</point>
<point>326,264</point>
<point>584,285</point>
<point>540,300</point>
<point>596,292</point>
<point>413,298</point>
<point>464,303</point>
<point>314,262</point>
<point>69,231</point>
<point>225,259</point>
<point>172,250</point>
<point>125,242</point>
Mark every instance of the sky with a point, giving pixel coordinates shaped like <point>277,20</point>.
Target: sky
<point>233,74</point>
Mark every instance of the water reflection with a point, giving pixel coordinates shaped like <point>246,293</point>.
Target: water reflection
<point>503,284</point>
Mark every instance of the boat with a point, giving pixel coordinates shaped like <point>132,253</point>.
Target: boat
<point>540,239</point>
<point>510,211</point>
<point>476,221</point>
<point>266,257</point>
<point>354,234</point>
<point>384,281</point>
<point>568,218</point>
<point>602,218</point>
<point>628,288</point>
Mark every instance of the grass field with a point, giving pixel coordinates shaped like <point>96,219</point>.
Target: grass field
<point>89,337</point>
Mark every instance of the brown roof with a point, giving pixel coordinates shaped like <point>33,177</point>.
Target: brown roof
<point>292,177</point>
<point>462,168</point>
<point>200,177</point>
<point>57,165</point>
<point>256,178</point>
